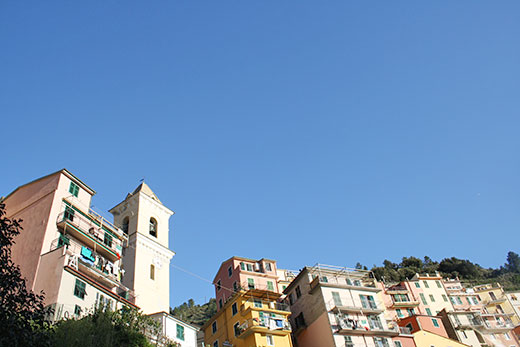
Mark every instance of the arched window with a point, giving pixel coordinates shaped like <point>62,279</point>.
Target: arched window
<point>153,227</point>
<point>125,225</point>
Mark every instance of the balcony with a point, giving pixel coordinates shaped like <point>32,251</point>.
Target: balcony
<point>338,283</point>
<point>91,233</point>
<point>397,290</point>
<point>273,326</point>
<point>352,327</point>
<point>409,303</point>
<point>365,308</point>
<point>93,265</point>
<point>266,305</point>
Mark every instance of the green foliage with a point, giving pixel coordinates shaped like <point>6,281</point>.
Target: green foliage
<point>195,314</point>
<point>106,328</point>
<point>22,314</point>
<point>471,273</point>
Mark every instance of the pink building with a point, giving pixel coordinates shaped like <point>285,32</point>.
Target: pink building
<point>238,272</point>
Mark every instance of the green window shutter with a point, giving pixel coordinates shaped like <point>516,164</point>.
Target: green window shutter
<point>251,283</point>
<point>428,312</point>
<point>423,299</point>
<point>74,189</point>
<point>270,286</point>
<point>180,332</point>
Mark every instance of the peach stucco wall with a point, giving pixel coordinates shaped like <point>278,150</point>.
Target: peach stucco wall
<point>317,334</point>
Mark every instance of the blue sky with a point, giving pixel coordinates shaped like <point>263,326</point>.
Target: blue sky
<point>302,131</point>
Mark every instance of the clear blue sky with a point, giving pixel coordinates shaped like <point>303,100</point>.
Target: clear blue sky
<point>303,131</point>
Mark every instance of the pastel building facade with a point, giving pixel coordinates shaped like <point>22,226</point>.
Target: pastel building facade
<point>243,273</point>
<point>336,306</point>
<point>496,302</point>
<point>427,331</point>
<point>66,249</point>
<point>431,293</point>
<point>250,318</point>
<point>80,260</point>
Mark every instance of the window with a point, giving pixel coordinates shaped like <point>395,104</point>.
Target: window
<point>349,282</point>
<point>348,341</point>
<point>445,298</point>
<point>219,285</point>
<point>492,296</point>
<point>236,328</point>
<point>475,301</point>
<point>153,227</point>
<point>152,272</point>
<point>299,321</point>
<point>230,271</point>
<point>124,226</point>
<point>381,342</point>
<point>439,285</point>
<point>270,286</point>
<point>258,303</point>
<point>284,287</point>
<point>68,214</point>
<point>399,313</point>
<point>235,286</point>
<point>215,344</point>
<point>468,300</point>
<point>397,343</point>
<point>324,279</point>
<point>220,303</point>
<point>432,298</point>
<point>459,300</point>
<point>63,240</point>
<point>452,300</point>
<point>242,265</point>
<point>367,301</point>
<point>411,311</point>
<point>409,326</point>
<point>234,309</point>
<point>270,340</point>
<point>435,323</point>
<point>251,283</point>
<point>291,299</point>
<point>268,267</point>
<point>180,332</point>
<point>74,189</point>
<point>336,298</point>
<point>425,284</point>
<point>298,292</point>
<point>428,312</point>
<point>214,327</point>
<point>108,240</point>
<point>423,299</point>
<point>79,289</point>
<point>464,333</point>
<point>417,285</point>
<point>507,336</point>
<point>249,267</point>
<point>77,310</point>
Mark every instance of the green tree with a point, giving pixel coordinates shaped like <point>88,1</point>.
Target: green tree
<point>107,328</point>
<point>513,262</point>
<point>22,313</point>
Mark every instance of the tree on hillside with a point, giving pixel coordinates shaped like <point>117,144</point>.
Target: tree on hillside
<point>195,314</point>
<point>22,314</point>
<point>513,262</point>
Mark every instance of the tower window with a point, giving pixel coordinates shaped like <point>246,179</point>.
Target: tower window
<point>153,227</point>
<point>125,225</point>
<point>152,272</point>
<point>79,289</point>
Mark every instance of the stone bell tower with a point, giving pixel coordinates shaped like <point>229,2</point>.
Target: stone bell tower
<point>146,259</point>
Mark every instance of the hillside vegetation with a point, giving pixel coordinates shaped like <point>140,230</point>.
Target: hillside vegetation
<point>469,273</point>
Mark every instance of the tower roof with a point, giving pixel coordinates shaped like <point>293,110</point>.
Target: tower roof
<point>145,189</point>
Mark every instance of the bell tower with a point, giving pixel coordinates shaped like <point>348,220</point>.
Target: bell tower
<point>146,259</point>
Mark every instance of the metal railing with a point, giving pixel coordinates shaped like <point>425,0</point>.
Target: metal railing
<point>266,304</point>
<point>91,229</point>
<point>354,324</point>
<point>268,323</point>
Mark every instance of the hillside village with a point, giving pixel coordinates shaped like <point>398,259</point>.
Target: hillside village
<point>81,260</point>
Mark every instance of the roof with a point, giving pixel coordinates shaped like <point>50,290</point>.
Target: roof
<point>145,189</point>
<point>62,171</point>
<point>162,313</point>
<point>240,258</point>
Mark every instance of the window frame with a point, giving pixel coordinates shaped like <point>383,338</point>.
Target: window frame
<point>74,189</point>
<point>80,289</point>
<point>180,330</point>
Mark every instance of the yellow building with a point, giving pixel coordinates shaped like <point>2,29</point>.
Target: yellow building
<point>496,302</point>
<point>252,318</point>
<point>424,338</point>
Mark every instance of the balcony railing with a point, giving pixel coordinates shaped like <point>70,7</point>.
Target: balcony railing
<point>269,325</point>
<point>90,233</point>
<point>267,304</point>
<point>342,282</point>
<point>365,307</point>
<point>353,327</point>
<point>408,303</point>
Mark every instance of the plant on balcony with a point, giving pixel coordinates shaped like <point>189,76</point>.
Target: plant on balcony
<point>22,314</point>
